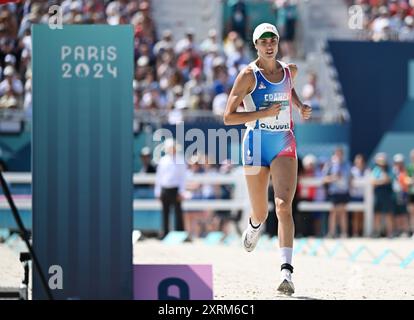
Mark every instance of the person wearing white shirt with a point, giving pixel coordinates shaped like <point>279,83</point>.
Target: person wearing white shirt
<point>11,82</point>
<point>170,184</point>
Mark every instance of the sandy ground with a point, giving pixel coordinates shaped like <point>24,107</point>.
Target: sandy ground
<point>241,275</point>
<point>11,270</point>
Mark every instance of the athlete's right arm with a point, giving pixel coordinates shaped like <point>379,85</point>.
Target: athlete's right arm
<point>244,84</point>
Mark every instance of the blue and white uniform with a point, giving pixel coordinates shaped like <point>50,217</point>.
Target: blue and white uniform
<point>271,137</point>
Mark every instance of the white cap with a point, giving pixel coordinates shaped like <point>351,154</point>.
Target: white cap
<point>8,71</point>
<point>309,159</point>
<point>381,157</point>
<point>145,151</point>
<point>262,28</point>
<point>399,157</point>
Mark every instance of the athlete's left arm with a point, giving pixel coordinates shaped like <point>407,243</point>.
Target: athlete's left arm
<point>304,109</point>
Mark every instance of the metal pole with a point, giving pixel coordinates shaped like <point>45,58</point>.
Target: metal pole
<point>24,234</point>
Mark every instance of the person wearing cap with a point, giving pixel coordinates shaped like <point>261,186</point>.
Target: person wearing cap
<point>266,89</point>
<point>170,185</point>
<point>381,180</point>
<point>337,177</point>
<point>165,43</point>
<point>303,227</point>
<point>146,191</point>
<point>186,42</point>
<point>358,171</point>
<point>400,181</point>
<point>210,42</point>
<point>11,83</point>
<point>147,166</point>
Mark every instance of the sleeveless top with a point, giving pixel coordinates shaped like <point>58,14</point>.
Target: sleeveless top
<point>266,93</point>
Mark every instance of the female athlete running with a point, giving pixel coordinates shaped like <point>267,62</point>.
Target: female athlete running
<point>269,148</point>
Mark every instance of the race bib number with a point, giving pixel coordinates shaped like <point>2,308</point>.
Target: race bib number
<point>279,123</point>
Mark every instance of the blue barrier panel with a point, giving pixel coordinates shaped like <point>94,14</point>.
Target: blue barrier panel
<point>82,159</point>
<point>175,237</point>
<point>297,248</point>
<point>214,237</point>
<point>335,250</point>
<point>381,257</point>
<point>356,253</point>
<point>314,249</point>
<point>407,260</point>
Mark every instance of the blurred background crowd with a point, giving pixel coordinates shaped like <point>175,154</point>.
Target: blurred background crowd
<point>391,176</point>
<point>387,19</point>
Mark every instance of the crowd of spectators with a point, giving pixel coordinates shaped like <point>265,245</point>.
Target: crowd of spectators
<point>386,20</point>
<point>172,74</point>
<point>393,185</point>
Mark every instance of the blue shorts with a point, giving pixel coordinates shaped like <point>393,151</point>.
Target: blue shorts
<point>260,147</point>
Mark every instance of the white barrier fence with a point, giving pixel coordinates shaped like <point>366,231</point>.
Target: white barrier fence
<point>240,200</point>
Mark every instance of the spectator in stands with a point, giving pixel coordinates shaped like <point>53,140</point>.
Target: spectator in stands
<point>311,95</point>
<point>387,19</point>
<point>210,43</point>
<point>307,193</point>
<point>337,178</point>
<point>193,218</point>
<point>195,89</point>
<point>147,165</point>
<point>407,31</point>
<point>219,102</point>
<point>229,43</point>
<point>239,19</point>
<point>148,25</point>
<point>380,27</point>
<point>286,17</point>
<point>165,43</point>
<point>396,21</point>
<point>188,60</point>
<point>170,185</point>
<point>225,217</point>
<point>179,103</point>
<point>209,58</point>
<point>11,82</point>
<point>186,42</point>
<point>210,191</point>
<point>237,60</point>
<point>11,89</point>
<point>221,81</point>
<point>9,100</point>
<point>400,181</point>
<point>146,191</point>
<point>381,179</point>
<point>358,171</point>
<point>410,172</point>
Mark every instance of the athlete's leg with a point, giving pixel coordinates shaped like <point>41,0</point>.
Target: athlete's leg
<point>284,179</point>
<point>257,179</point>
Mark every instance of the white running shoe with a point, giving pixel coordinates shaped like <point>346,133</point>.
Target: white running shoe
<point>286,286</point>
<point>250,238</point>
